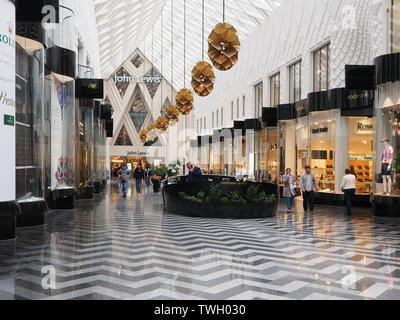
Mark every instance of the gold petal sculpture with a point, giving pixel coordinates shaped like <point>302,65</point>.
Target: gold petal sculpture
<point>224,46</point>
<point>184,101</point>
<point>162,124</point>
<point>203,78</point>
<point>143,136</point>
<point>172,114</point>
<point>151,133</point>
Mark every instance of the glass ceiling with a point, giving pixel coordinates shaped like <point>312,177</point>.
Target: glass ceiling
<point>125,25</point>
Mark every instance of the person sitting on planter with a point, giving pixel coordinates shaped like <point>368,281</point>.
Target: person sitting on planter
<point>195,174</point>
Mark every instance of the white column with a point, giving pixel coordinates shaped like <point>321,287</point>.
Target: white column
<point>342,159</point>
<point>7,101</point>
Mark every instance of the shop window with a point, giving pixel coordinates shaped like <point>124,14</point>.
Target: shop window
<point>390,129</point>
<point>198,128</point>
<point>361,139</point>
<point>394,26</point>
<point>323,139</point>
<point>302,145</point>
<point>123,138</point>
<point>152,87</point>
<point>232,115</point>
<point>138,112</point>
<point>237,108</point>
<point>122,82</point>
<point>205,124</point>
<point>322,68</point>
<point>259,98</point>
<point>137,61</point>
<point>244,106</point>
<point>166,104</point>
<point>275,89</point>
<point>295,82</point>
<point>213,120</point>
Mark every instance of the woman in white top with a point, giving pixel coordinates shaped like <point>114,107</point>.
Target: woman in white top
<point>349,189</point>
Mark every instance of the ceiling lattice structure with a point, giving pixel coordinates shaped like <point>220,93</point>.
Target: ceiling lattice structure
<point>125,25</point>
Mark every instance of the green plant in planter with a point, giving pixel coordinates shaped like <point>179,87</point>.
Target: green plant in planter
<point>163,172</point>
<point>215,193</point>
<point>236,199</point>
<point>252,194</point>
<point>225,201</point>
<point>182,195</point>
<point>265,200</point>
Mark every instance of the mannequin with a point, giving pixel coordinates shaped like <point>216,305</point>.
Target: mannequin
<point>387,159</point>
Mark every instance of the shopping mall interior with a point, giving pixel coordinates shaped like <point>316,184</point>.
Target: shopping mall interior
<point>200,150</point>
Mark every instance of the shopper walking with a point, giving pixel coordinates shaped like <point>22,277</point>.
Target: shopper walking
<point>139,176</point>
<point>308,185</point>
<point>349,189</point>
<point>289,189</point>
<point>123,177</point>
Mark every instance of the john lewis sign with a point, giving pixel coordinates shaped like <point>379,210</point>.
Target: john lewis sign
<point>127,79</point>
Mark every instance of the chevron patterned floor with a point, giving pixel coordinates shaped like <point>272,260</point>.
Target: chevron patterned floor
<point>114,248</point>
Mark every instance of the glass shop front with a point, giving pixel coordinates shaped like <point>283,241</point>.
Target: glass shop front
<point>329,143</point>
<point>30,126</point>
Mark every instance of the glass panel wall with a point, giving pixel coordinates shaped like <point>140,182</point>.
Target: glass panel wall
<point>259,100</point>
<point>295,82</point>
<point>275,90</point>
<point>394,26</point>
<point>361,146</point>
<point>86,147</point>
<point>322,68</point>
<point>322,144</point>
<point>29,124</point>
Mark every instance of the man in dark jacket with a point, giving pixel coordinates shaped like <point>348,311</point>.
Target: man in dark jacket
<point>195,174</point>
<point>139,176</point>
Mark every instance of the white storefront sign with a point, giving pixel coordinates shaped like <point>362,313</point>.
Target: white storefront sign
<point>127,79</point>
<point>7,101</point>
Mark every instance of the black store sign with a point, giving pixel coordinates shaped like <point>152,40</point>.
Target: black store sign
<point>90,88</point>
<point>302,109</point>
<point>358,103</point>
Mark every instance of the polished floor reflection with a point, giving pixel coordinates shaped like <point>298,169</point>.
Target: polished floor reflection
<point>115,248</point>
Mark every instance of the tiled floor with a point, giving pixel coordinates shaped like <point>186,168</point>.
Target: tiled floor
<point>114,248</point>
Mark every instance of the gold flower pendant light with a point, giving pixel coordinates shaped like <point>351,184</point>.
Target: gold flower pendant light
<point>203,78</point>
<point>184,101</point>
<point>143,136</point>
<point>162,124</point>
<point>224,46</point>
<point>151,133</point>
<point>172,114</point>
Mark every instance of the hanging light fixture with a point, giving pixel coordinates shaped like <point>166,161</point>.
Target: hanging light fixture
<point>224,45</point>
<point>143,136</point>
<point>203,76</point>
<point>172,111</point>
<point>151,133</point>
<point>184,98</point>
<point>172,114</point>
<point>162,124</point>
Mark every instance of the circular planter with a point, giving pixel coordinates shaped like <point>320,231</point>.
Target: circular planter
<point>175,205</point>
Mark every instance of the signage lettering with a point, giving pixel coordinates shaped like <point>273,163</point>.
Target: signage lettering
<point>358,96</point>
<point>365,127</point>
<point>136,153</point>
<point>124,78</point>
<point>320,130</point>
<point>92,86</point>
<point>5,100</point>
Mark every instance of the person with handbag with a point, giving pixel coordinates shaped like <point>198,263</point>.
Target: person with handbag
<point>349,189</point>
<point>289,189</point>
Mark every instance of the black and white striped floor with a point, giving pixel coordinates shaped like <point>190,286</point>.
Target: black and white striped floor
<point>115,248</point>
